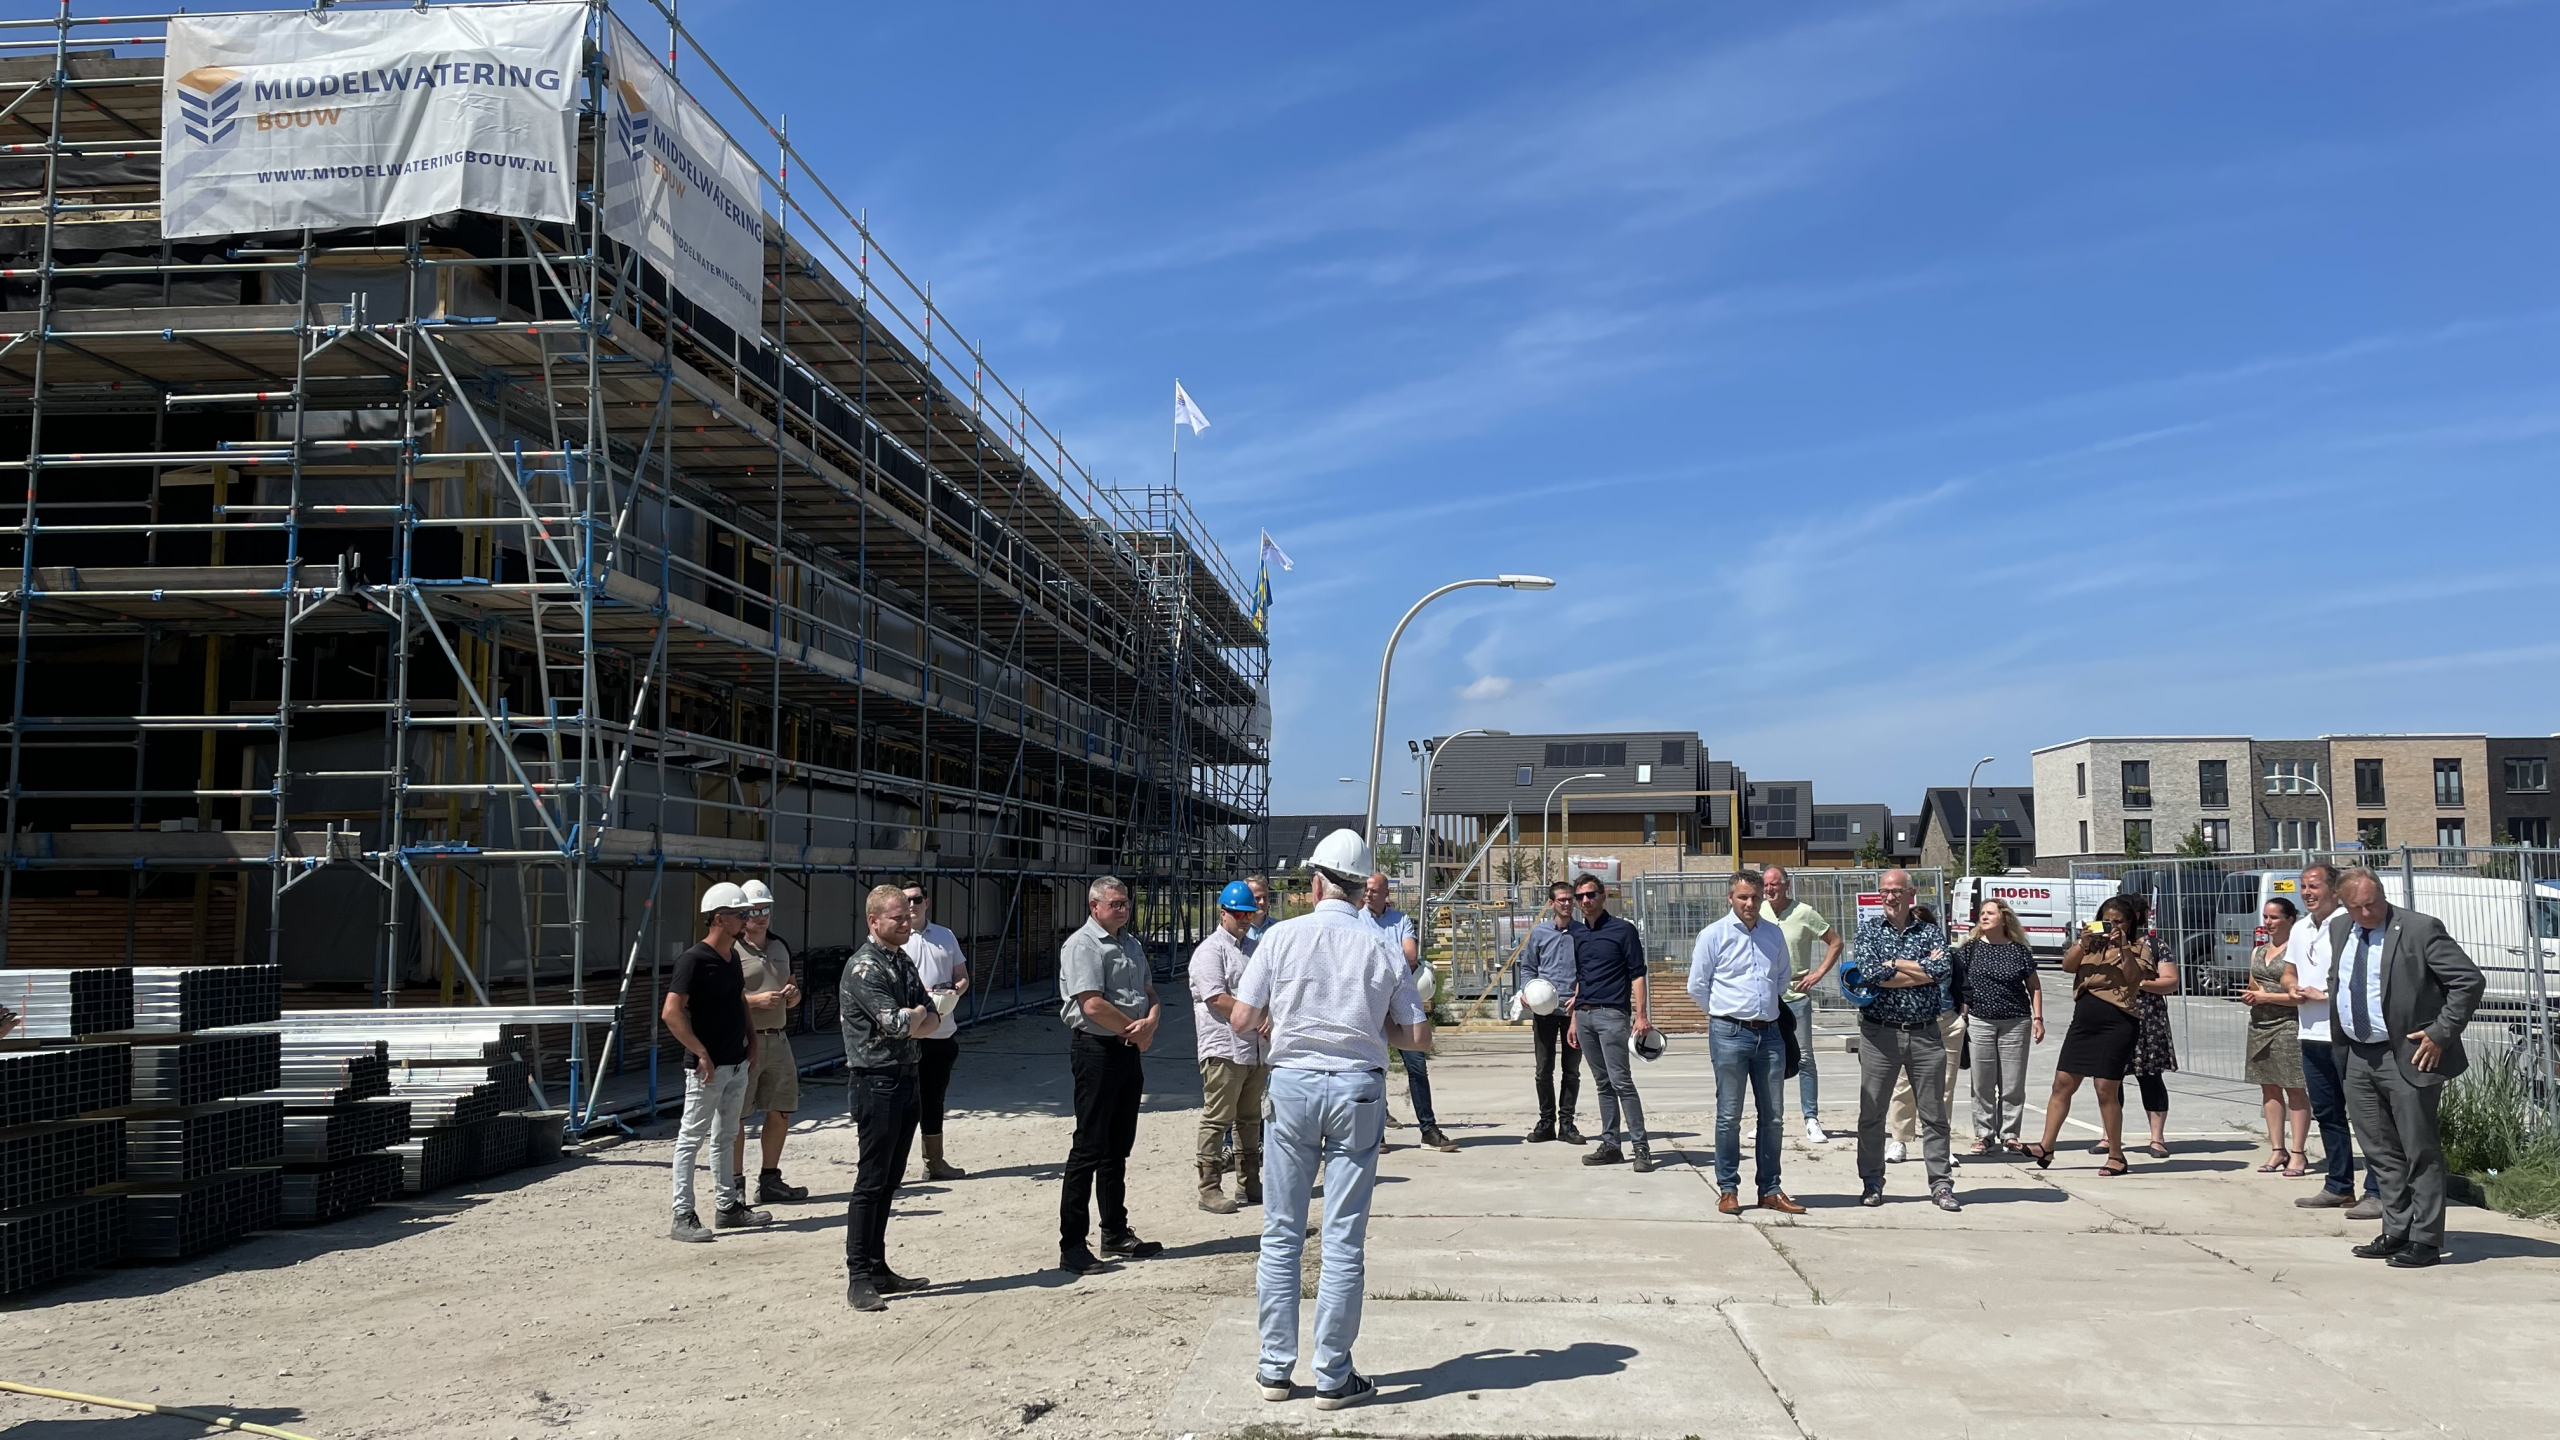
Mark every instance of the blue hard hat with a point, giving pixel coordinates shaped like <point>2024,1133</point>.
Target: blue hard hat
<point>1238,896</point>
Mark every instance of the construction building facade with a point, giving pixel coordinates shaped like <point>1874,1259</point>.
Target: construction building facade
<point>435,608</point>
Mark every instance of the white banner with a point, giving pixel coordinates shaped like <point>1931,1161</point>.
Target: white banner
<point>332,118</point>
<point>677,191</point>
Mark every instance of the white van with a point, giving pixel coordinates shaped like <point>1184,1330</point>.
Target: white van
<point>2050,909</point>
<point>2486,917</point>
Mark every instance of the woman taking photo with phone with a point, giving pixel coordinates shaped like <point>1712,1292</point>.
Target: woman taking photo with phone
<point>2111,967</point>
<point>2004,1014</point>
<point>2275,1052</point>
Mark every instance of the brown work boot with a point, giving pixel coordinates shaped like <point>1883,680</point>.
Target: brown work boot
<point>1727,1203</point>
<point>1213,1199</point>
<point>934,1168</point>
<point>1248,1177</point>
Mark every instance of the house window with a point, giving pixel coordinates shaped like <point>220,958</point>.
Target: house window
<point>1776,818</point>
<point>2449,785</point>
<point>1675,752</point>
<point>1857,827</point>
<point>2084,837</point>
<point>1586,754</point>
<point>2213,785</point>
<point>2291,777</point>
<point>2293,834</point>
<point>1521,776</point>
<point>2080,778</point>
<point>2137,785</point>
<point>1649,830</point>
<point>2137,837</point>
<point>1314,830</point>
<point>2528,775</point>
<point>1644,774</point>
<point>2449,835</point>
<point>2368,782</point>
<point>2217,834</point>
<point>1830,828</point>
<point>2373,834</point>
<point>2534,830</point>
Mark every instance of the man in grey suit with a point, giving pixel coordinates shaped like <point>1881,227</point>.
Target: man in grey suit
<point>2401,991</point>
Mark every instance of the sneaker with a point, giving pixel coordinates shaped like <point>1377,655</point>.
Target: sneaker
<point>1544,1131</point>
<point>1872,1197</point>
<point>1127,1246</point>
<point>1566,1133</point>
<point>688,1228</point>
<point>1432,1137</point>
<point>1813,1132</point>
<point>1350,1392</point>
<point>771,1189</point>
<point>2368,1208</point>
<point>1944,1197</point>
<point>890,1282</point>
<point>1895,1153</point>
<point>738,1216</point>
<point>2327,1200</point>
<point>1644,1161</point>
<point>861,1294</point>
<point>1275,1384</point>
<point>1078,1260</point>
<point>1605,1155</point>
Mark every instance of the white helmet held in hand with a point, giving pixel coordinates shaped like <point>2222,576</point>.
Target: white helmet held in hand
<point>1540,996</point>
<point>1426,981</point>
<point>723,896</point>
<point>759,895</point>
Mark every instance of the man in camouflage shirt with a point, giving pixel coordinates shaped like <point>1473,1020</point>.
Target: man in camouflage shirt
<point>885,1012</point>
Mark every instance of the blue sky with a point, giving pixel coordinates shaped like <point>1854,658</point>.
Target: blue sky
<point>1887,385</point>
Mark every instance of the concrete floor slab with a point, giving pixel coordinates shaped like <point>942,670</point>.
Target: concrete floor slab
<point>1542,1370</point>
<point>1514,1259</point>
<point>1987,1269</point>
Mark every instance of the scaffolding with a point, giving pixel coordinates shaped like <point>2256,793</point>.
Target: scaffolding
<point>434,609</point>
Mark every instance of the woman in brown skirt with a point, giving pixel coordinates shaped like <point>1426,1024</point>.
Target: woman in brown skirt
<point>2275,1046</point>
<point>2111,965</point>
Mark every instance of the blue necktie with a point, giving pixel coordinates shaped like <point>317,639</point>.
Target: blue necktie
<point>2355,985</point>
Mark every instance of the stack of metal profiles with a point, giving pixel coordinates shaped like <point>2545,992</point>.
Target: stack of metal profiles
<point>431,1161</point>
<point>543,1132</point>
<point>460,1094</point>
<point>322,1137</point>
<point>173,1219</point>
<point>56,1004</point>
<point>494,1146</point>
<point>187,998</point>
<point>43,1163</point>
<point>42,1081</point>
<point>200,1140</point>
<point>322,1071</point>
<point>45,1242</point>
<point>192,1069</point>
<point>313,1194</point>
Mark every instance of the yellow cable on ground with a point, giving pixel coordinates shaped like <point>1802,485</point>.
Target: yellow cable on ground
<point>201,1417</point>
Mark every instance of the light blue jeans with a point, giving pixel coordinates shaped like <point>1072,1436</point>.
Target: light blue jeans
<point>1808,1087</point>
<point>1757,1058</point>
<point>1336,1119</point>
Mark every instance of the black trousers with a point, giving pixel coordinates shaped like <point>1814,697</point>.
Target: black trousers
<point>882,1106</point>
<point>1110,1082</point>
<point>934,1079</point>
<point>1548,1032</point>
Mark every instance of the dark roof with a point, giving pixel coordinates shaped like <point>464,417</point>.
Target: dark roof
<point>1480,774</point>
<point>1942,809</point>
<point>1867,819</point>
<point>1294,837</point>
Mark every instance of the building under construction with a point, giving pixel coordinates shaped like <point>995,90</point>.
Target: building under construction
<point>434,609</point>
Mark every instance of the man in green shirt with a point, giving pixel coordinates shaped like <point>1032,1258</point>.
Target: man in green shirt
<point>1803,926</point>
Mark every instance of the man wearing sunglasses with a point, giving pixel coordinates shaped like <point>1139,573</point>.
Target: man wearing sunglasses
<point>1609,1012</point>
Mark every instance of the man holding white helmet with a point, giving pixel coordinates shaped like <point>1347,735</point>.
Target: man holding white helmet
<point>1334,994</point>
<point>1232,1072</point>
<point>884,1012</point>
<point>773,1075</point>
<point>1547,961</point>
<point>1398,926</point>
<point>706,1012</point>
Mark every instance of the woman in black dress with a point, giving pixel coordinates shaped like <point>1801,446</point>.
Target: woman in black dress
<point>2111,966</point>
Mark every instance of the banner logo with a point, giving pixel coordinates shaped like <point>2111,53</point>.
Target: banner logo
<point>209,104</point>
<point>630,119</point>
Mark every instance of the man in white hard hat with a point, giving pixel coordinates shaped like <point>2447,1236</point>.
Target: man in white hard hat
<point>773,1076</point>
<point>1549,957</point>
<point>1374,896</point>
<point>944,970</point>
<point>1335,994</point>
<point>884,1012</point>
<point>706,1012</point>
<point>1107,997</point>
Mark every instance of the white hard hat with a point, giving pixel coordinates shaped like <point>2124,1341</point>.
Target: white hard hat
<point>1540,996</point>
<point>944,1000</point>
<point>723,896</point>
<point>1426,980</point>
<point>1651,1044</point>
<point>1344,853</point>
<point>757,892</point>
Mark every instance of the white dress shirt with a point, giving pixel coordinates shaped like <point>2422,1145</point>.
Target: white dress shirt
<point>1332,981</point>
<point>1739,973</point>
<point>2307,950</point>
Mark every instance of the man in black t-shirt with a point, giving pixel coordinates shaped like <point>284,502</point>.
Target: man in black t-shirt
<point>706,1011</point>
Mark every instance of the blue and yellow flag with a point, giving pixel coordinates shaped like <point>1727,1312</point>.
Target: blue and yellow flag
<point>1262,582</point>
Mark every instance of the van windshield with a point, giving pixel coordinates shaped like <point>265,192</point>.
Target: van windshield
<point>2546,918</point>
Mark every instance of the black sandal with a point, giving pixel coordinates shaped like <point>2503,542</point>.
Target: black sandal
<point>2115,1166</point>
<point>2041,1154</point>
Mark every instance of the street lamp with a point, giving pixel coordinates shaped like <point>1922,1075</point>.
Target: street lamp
<point>1431,752</point>
<point>1378,736</point>
<point>2333,813</point>
<point>1542,816</point>
<point>1968,811</point>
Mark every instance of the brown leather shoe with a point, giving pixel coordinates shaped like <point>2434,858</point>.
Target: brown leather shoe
<point>1728,1204</point>
<point>1777,1200</point>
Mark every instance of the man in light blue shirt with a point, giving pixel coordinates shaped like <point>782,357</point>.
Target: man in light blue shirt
<point>1335,994</point>
<point>1738,975</point>
<point>1548,956</point>
<point>1398,928</point>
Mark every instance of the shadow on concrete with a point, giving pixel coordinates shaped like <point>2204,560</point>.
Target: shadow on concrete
<point>1994,1195</point>
<point>1479,1370</point>
<point>2473,1248</point>
<point>1228,1245</point>
<point>119,1425</point>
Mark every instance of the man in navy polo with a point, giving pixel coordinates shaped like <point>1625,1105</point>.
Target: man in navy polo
<point>1608,1014</point>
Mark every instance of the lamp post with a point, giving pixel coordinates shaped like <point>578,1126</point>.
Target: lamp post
<point>1968,811</point>
<point>1378,736</point>
<point>1431,752</point>
<point>1542,817</point>
<point>2333,813</point>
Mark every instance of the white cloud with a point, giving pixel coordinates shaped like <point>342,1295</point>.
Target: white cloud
<point>1487,687</point>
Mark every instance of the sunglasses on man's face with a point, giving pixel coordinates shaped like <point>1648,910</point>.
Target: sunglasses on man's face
<point>915,899</point>
<point>1586,895</point>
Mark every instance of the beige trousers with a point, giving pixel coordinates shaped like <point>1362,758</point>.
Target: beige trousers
<point>1231,1094</point>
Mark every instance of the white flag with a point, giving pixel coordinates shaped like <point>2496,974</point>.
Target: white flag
<point>1271,551</point>
<point>1186,413</point>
